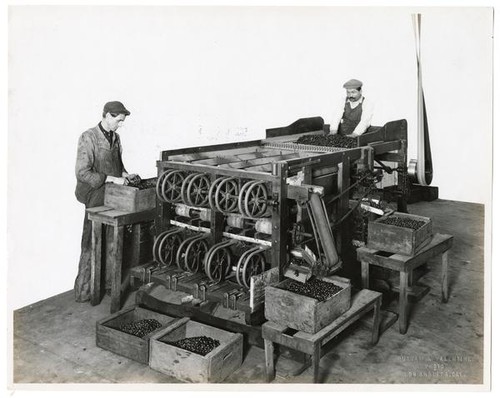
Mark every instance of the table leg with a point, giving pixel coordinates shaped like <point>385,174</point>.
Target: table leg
<point>376,321</point>
<point>116,269</point>
<point>403,301</point>
<point>96,263</point>
<point>269,354</point>
<point>365,274</point>
<point>444,277</point>
<point>136,245</point>
<point>315,360</point>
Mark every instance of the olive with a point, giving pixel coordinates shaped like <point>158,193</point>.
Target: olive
<point>314,288</point>
<point>141,327</point>
<point>201,345</point>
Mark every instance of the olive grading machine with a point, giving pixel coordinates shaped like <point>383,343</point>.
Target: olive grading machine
<point>233,217</point>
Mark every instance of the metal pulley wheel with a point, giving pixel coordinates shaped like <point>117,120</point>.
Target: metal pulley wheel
<point>168,246</point>
<point>252,262</point>
<point>226,195</point>
<point>197,190</point>
<point>241,196</point>
<point>211,193</point>
<point>255,200</point>
<point>195,254</point>
<point>255,264</point>
<point>218,261</point>
<point>156,246</point>
<point>184,186</point>
<point>181,252</point>
<point>171,186</point>
<point>159,183</point>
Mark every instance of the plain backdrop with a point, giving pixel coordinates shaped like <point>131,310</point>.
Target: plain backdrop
<point>198,76</point>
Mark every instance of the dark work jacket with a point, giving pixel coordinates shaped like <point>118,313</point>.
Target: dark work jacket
<point>95,160</point>
<point>350,118</point>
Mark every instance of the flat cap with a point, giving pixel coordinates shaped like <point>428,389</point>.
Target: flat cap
<point>353,83</point>
<point>115,107</point>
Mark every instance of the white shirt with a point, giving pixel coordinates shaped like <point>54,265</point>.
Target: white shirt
<point>366,115</point>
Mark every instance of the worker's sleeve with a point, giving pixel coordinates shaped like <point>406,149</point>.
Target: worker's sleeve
<point>338,112</point>
<point>366,118</point>
<point>85,159</point>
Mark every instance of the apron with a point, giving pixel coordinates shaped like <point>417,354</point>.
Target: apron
<point>350,118</point>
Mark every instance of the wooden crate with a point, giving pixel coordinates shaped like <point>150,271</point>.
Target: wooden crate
<point>394,239</point>
<point>305,313</point>
<point>188,366</point>
<point>123,197</point>
<point>109,337</point>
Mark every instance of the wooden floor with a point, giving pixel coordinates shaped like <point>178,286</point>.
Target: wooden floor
<point>54,340</point>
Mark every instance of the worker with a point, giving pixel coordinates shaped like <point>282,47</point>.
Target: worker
<point>354,115</point>
<point>99,160</point>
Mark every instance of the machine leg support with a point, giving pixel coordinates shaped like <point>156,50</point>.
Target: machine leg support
<point>269,353</point>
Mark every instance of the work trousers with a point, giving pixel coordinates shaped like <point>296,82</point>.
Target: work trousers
<point>82,281</point>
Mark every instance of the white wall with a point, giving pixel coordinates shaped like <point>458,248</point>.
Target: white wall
<point>194,76</point>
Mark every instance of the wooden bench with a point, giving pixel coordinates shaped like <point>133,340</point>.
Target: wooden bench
<point>117,219</point>
<point>310,344</point>
<point>405,264</point>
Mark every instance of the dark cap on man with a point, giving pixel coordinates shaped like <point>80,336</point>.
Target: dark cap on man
<point>115,108</point>
<point>353,83</point>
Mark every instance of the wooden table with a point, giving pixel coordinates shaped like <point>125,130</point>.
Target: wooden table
<point>310,344</point>
<point>405,264</point>
<point>104,215</point>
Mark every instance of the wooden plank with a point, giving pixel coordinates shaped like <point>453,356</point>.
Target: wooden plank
<point>300,126</point>
<point>116,269</point>
<point>439,244</point>
<point>444,277</point>
<point>390,157</point>
<point>383,147</point>
<point>265,168</point>
<point>119,218</point>
<point>327,159</point>
<point>199,158</point>
<point>96,263</point>
<point>362,302</point>
<point>403,302</point>
<point>223,158</point>
<point>210,148</point>
<point>98,209</point>
<point>261,161</point>
<point>215,170</point>
<point>269,354</point>
<point>376,321</point>
<point>290,137</point>
<point>279,218</point>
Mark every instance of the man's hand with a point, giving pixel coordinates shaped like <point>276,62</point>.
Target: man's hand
<point>132,179</point>
<point>116,180</point>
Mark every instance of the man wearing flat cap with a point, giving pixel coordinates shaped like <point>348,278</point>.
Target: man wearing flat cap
<point>99,160</point>
<point>354,115</point>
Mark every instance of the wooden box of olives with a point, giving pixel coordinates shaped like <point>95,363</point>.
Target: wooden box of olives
<point>194,352</point>
<point>289,307</point>
<point>131,198</point>
<point>128,332</point>
<point>399,233</point>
